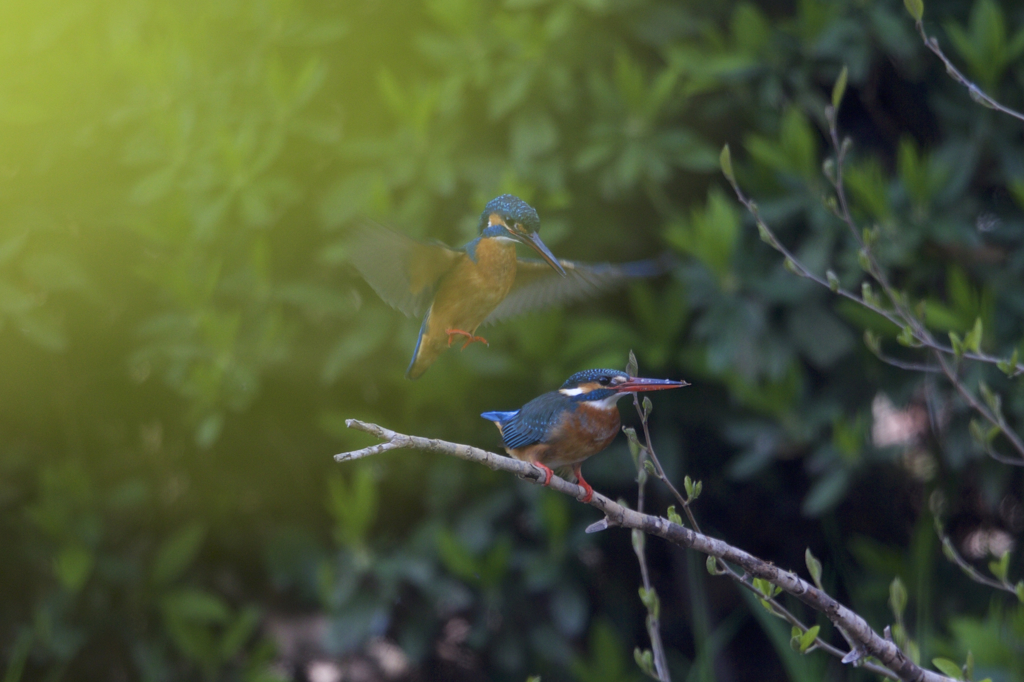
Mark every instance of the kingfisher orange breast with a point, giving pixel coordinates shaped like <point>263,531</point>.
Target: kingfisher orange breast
<point>472,290</point>
<point>465,296</point>
<point>579,434</point>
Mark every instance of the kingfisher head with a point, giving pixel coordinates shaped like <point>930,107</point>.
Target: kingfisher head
<point>604,387</point>
<point>509,217</point>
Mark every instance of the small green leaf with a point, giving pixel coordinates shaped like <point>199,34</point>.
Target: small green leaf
<point>833,281</point>
<point>839,89</point>
<point>870,235</point>
<point>644,660</point>
<point>813,567</point>
<point>948,668</point>
<point>765,235</point>
<point>791,267</point>
<point>915,7</point>
<point>632,368</point>
<point>634,444</point>
<point>673,515</point>
<point>992,432</point>
<point>638,541</point>
<point>177,553</point>
<point>456,557</point>
<point>1001,567</point>
<point>693,488</point>
<point>648,406</point>
<point>906,337</point>
<point>977,431</point>
<point>863,260</point>
<point>958,345</point>
<point>767,589</point>
<point>897,597</point>
<point>873,342</point>
<point>794,638</point>
<point>807,638</point>
<point>533,678</point>
<point>189,604</point>
<point>828,168</point>
<point>1018,588</point>
<point>239,632</point>
<point>868,294</point>
<point>1009,366</point>
<point>712,565</point>
<point>649,598</point>
<point>725,160</point>
<point>73,566</point>
<point>354,505</point>
<point>992,399</point>
<point>972,341</point>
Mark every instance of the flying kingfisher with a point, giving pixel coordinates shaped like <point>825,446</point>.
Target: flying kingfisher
<point>457,290</point>
<point>564,427</point>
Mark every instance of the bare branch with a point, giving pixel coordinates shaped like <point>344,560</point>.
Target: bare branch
<point>976,93</point>
<point>898,665</point>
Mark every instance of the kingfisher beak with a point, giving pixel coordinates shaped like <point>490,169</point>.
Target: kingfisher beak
<point>638,384</point>
<point>532,240</point>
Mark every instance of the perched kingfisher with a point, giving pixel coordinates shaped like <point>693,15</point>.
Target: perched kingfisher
<point>562,428</point>
<point>457,290</point>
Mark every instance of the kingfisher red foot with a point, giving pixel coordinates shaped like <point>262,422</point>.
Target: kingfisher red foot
<point>562,428</point>
<point>469,337</point>
<point>482,282</point>
<point>548,473</point>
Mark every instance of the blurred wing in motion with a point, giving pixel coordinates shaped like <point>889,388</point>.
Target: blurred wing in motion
<point>403,271</point>
<point>538,286</point>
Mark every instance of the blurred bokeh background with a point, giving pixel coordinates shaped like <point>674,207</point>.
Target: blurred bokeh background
<point>181,338</point>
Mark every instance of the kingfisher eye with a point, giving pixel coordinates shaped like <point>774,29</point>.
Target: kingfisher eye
<point>604,381</point>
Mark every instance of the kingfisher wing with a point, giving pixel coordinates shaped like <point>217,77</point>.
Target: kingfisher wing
<point>538,286</point>
<point>403,271</point>
<point>534,421</point>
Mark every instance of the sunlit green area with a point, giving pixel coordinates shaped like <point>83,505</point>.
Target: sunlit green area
<point>182,337</point>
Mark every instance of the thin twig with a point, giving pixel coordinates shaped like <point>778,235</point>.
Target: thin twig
<point>976,93</point>
<point>725,569</point>
<point>909,366</point>
<point>897,665</point>
<point>901,315</point>
<point>657,463</point>
<point>993,418</point>
<point>910,320</point>
<point>653,610</point>
<point>950,551</point>
<point>798,268</point>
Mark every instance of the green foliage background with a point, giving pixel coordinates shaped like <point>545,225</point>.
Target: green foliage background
<point>181,338</point>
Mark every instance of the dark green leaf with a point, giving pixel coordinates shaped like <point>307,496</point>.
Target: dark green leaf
<point>839,89</point>
<point>177,553</point>
<point>948,668</point>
